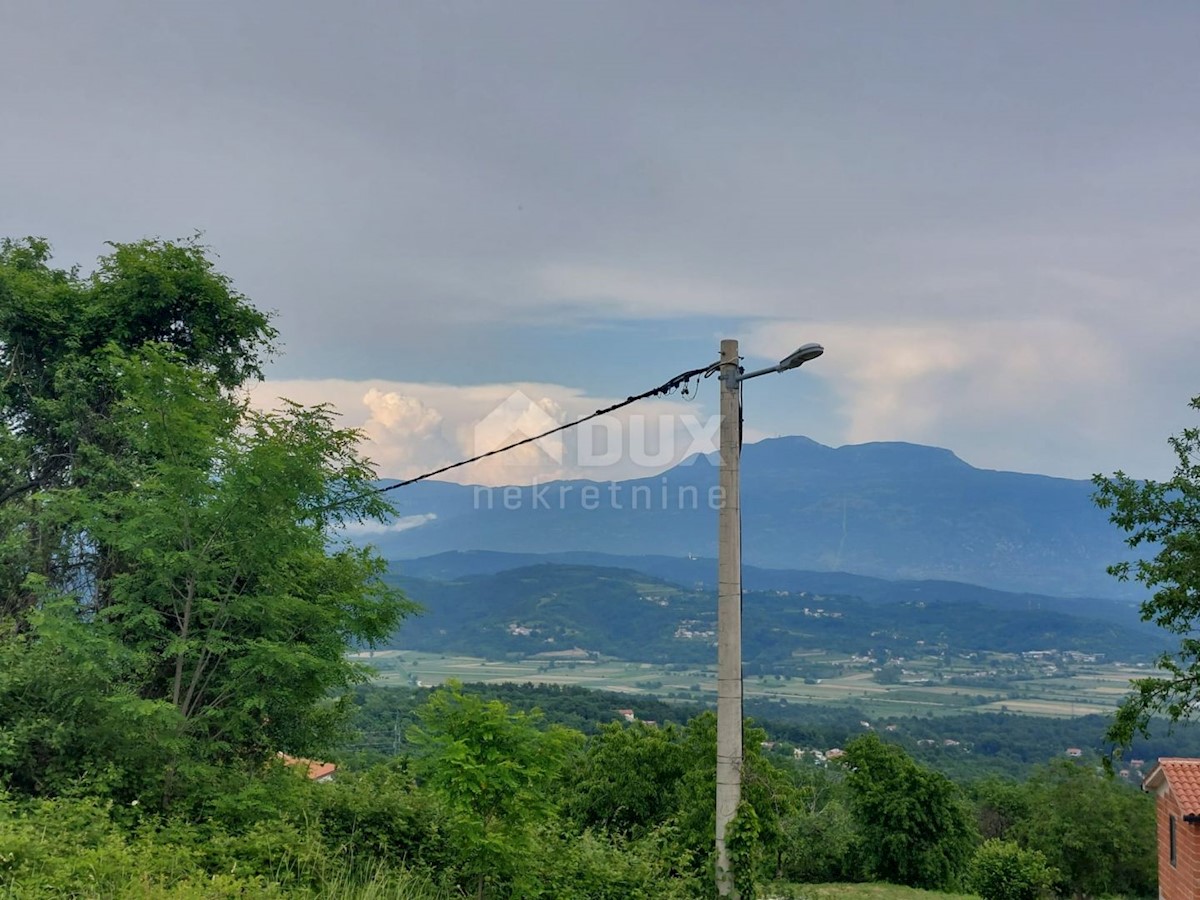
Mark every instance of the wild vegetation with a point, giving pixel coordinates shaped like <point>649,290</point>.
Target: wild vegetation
<point>178,610</point>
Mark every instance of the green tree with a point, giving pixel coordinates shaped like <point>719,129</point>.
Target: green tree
<point>178,559</point>
<point>916,828</point>
<point>1097,833</point>
<point>1001,870</point>
<point>822,841</point>
<point>1164,515</point>
<point>224,571</point>
<point>889,673</point>
<point>628,779</point>
<point>54,397</point>
<point>495,770</point>
<point>1000,805</point>
<point>768,797</point>
<point>71,719</point>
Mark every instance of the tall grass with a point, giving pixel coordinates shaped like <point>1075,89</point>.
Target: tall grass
<point>71,849</point>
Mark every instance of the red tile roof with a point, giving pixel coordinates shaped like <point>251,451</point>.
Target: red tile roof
<point>316,770</point>
<point>1182,777</point>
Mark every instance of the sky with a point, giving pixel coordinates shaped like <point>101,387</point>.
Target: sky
<point>475,218</point>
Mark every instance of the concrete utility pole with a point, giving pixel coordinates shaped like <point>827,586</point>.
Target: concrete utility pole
<point>729,613</point>
<point>729,594</point>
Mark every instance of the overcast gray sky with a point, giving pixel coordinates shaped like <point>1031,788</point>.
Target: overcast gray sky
<point>987,212</point>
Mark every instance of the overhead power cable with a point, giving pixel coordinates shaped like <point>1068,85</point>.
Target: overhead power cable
<point>665,388</point>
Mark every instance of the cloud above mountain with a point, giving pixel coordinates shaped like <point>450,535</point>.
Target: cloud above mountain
<point>410,429</point>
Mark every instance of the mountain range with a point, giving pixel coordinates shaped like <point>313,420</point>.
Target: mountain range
<point>882,510</point>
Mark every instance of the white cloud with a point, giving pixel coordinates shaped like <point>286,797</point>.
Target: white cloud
<point>411,428</point>
<point>403,523</point>
<point>1002,394</point>
<point>398,413</point>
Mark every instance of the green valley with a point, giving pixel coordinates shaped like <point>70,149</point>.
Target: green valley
<point>1057,685</point>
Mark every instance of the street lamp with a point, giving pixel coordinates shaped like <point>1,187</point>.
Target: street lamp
<point>729,593</point>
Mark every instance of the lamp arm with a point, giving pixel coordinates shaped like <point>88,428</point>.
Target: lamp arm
<point>767,371</point>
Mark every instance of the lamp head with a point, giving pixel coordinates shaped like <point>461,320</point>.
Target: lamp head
<point>800,356</point>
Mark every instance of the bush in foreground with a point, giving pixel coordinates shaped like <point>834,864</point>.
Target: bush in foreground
<point>1001,870</point>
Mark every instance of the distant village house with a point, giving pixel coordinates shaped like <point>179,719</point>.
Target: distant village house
<point>320,772</point>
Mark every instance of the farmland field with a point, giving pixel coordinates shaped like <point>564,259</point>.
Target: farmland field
<point>928,686</point>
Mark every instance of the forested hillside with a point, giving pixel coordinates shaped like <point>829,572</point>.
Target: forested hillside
<point>632,615</point>
<point>700,573</point>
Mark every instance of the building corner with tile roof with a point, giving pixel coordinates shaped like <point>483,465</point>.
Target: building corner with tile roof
<point>1175,782</point>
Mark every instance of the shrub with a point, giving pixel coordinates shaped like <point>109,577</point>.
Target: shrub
<point>74,848</point>
<point>380,815</point>
<point>1001,870</point>
<point>598,867</point>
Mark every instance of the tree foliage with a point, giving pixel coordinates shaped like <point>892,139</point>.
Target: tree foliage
<point>495,770</point>
<point>821,841</point>
<point>629,777</point>
<point>71,719</point>
<point>1001,870</point>
<point>221,571</point>
<point>218,575</point>
<point>169,553</point>
<point>1163,516</point>
<point>1096,833</point>
<point>639,782</point>
<point>56,327</point>
<point>917,829</point>
<point>1001,805</point>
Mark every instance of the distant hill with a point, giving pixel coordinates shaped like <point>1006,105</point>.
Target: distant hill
<point>551,609</point>
<point>701,573</point>
<point>888,510</point>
